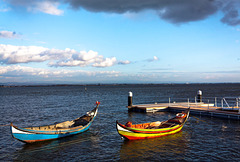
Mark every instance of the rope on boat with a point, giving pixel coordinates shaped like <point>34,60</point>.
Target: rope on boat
<point>4,125</point>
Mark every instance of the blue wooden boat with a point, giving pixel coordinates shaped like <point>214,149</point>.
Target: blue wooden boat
<point>55,131</point>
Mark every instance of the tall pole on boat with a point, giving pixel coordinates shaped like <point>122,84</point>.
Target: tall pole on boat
<point>130,94</point>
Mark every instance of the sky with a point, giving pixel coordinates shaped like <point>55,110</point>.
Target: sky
<point>119,41</point>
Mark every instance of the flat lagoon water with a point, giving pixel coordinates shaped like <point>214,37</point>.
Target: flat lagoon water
<point>201,139</point>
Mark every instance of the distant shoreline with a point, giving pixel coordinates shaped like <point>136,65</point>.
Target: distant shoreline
<point>99,84</point>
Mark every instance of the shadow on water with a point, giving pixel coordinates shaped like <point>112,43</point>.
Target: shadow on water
<point>156,148</point>
<point>49,149</point>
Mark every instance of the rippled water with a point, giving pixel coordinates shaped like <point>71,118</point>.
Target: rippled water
<point>201,139</point>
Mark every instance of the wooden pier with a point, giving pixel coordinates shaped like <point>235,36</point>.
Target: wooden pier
<point>201,108</point>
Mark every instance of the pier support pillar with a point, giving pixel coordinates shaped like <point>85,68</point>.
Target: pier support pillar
<point>199,96</point>
<point>130,94</point>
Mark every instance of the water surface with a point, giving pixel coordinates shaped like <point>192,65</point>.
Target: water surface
<point>201,139</point>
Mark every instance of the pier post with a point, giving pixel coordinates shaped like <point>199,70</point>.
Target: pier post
<point>237,102</point>
<point>215,101</point>
<point>199,96</point>
<point>208,105</point>
<point>130,94</point>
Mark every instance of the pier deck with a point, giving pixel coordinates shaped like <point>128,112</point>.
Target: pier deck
<point>195,108</point>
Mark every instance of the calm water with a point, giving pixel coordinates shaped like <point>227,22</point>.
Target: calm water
<point>201,139</point>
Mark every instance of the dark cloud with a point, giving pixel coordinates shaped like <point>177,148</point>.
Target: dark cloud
<point>231,15</point>
<point>174,11</point>
<point>187,11</point>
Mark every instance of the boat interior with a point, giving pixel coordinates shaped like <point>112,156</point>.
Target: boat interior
<point>79,122</point>
<point>171,122</point>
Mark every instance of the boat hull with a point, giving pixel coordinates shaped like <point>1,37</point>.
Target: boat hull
<point>131,135</point>
<point>30,137</point>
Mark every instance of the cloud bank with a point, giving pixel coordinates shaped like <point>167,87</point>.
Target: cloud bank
<point>10,54</point>
<point>17,71</point>
<point>174,11</point>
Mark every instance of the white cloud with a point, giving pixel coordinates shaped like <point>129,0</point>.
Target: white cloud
<point>48,7</point>
<point>68,63</point>
<point>10,54</point>
<point>86,57</point>
<point>8,34</point>
<point>4,9</point>
<point>124,62</point>
<point>106,62</point>
<point>155,58</point>
<point>20,71</point>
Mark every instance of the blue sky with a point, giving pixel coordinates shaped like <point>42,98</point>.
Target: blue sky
<point>117,41</point>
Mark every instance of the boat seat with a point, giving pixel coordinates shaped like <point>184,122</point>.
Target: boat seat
<point>177,121</point>
<point>79,122</point>
<point>65,124</point>
<point>167,124</point>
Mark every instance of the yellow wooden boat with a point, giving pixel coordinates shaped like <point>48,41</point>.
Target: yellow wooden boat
<point>153,129</point>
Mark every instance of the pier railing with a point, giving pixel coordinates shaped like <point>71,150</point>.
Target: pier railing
<point>230,103</point>
<point>225,103</point>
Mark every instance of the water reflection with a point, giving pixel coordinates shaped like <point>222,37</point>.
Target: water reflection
<point>148,149</point>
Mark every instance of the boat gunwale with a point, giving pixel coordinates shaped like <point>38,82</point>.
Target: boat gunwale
<point>56,131</point>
